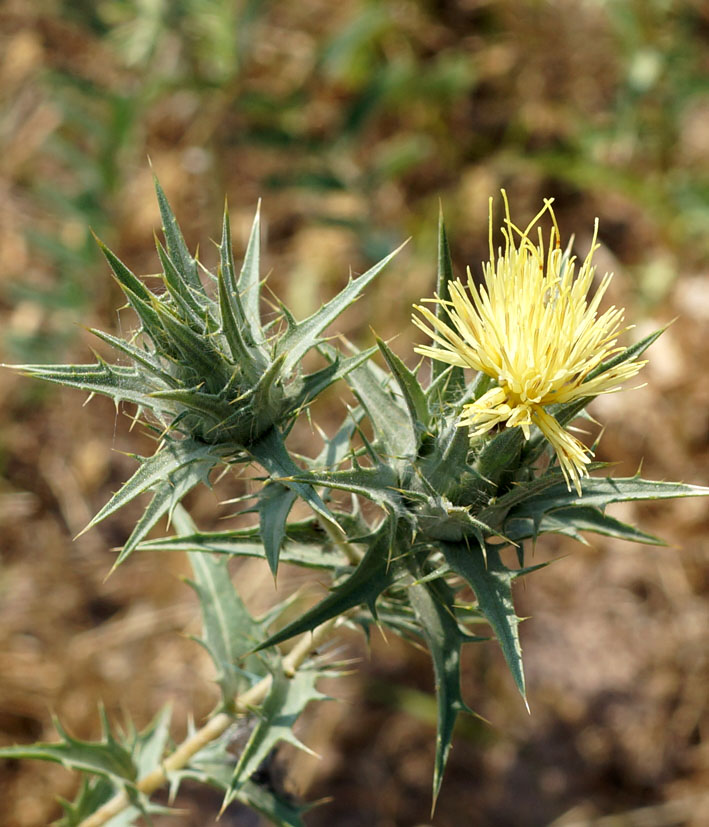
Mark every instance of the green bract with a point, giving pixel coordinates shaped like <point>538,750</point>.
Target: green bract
<point>220,387</point>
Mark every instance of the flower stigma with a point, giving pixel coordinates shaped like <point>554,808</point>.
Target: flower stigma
<point>533,328</point>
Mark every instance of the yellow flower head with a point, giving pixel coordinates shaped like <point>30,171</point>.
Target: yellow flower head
<point>533,328</point>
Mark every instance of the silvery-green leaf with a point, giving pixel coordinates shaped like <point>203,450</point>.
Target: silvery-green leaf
<point>270,452</point>
<point>107,757</point>
<point>433,605</point>
<point>491,581</point>
<point>456,378</point>
<point>277,715</point>
<point>157,469</point>
<point>181,293</point>
<point>409,385</point>
<point>599,492</point>
<point>166,495</point>
<point>389,417</point>
<point>375,573</point>
<point>299,339</point>
<point>230,632</point>
<point>316,556</point>
<point>274,505</point>
<point>214,765</point>
<point>248,286</point>
<point>176,247</point>
<point>123,383</point>
<point>573,519</point>
<point>315,383</point>
<point>139,356</point>
<point>379,484</point>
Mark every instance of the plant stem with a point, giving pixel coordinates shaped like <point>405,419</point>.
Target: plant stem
<point>213,728</point>
<point>338,539</point>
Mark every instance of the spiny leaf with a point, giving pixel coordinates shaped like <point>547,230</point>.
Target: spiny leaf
<point>378,484</point>
<point>600,491</point>
<point>155,470</point>
<point>316,383</point>
<point>411,389</point>
<point>97,791</point>
<point>227,269</point>
<point>229,630</point>
<point>176,247</point>
<point>241,353</point>
<point>242,329</point>
<point>336,449</point>
<point>274,505</point>
<point>125,276</point>
<point>179,290</point>
<point>268,393</point>
<point>249,284</point>
<point>456,380</point>
<point>491,581</point>
<point>167,494</point>
<point>375,572</point>
<point>277,716</point>
<point>107,757</point>
<point>313,555</point>
<point>151,326</point>
<point>447,460</point>
<point>94,792</point>
<point>122,383</point>
<point>196,351</point>
<point>138,355</point>
<point>270,451</point>
<point>212,408</point>
<point>498,508</point>
<point>571,520</point>
<point>214,765</point>
<point>390,420</point>
<point>500,456</point>
<point>299,339</point>
<point>149,746</point>
<point>281,809</point>
<point>147,749</point>
<point>433,604</point>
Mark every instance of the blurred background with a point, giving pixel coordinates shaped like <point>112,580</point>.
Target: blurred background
<point>352,121</point>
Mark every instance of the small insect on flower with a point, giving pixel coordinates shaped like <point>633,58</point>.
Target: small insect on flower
<point>534,330</point>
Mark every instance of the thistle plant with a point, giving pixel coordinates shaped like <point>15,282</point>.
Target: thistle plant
<point>460,467</point>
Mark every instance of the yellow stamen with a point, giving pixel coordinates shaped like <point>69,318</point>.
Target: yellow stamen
<point>533,329</point>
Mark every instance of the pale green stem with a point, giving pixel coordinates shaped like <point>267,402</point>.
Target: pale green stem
<point>215,727</point>
<point>338,539</point>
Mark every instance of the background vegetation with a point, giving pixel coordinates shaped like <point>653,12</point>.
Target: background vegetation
<point>352,120</point>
